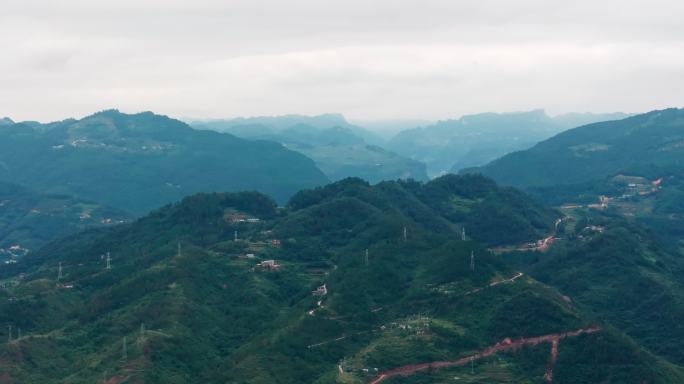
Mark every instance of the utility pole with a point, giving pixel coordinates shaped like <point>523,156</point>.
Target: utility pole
<point>109,261</point>
<point>235,236</point>
<point>141,338</point>
<point>366,258</point>
<point>179,249</point>
<point>472,261</point>
<point>463,235</point>
<point>125,351</point>
<point>59,273</point>
<point>18,333</point>
<point>472,367</point>
<point>9,337</point>
<point>405,234</point>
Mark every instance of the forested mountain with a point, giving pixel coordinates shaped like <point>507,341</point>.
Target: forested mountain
<point>142,161</point>
<point>618,250</point>
<point>644,145</point>
<point>632,168</point>
<point>477,139</point>
<point>339,149</point>
<point>350,283</point>
<point>29,219</point>
<point>619,271</point>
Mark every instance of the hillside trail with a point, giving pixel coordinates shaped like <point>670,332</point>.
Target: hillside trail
<point>505,345</point>
<point>541,245</point>
<point>495,283</point>
<point>544,244</point>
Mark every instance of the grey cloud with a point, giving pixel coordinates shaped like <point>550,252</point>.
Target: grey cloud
<point>368,59</point>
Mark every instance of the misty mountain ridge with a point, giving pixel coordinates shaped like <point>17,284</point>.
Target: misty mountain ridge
<point>260,126</point>
<point>641,145</point>
<point>472,140</point>
<point>339,149</point>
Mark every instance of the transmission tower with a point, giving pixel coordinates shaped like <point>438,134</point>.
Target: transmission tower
<point>59,273</point>
<point>472,261</point>
<point>179,249</point>
<point>141,338</point>
<point>109,261</point>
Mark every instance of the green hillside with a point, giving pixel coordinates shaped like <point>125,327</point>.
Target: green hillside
<point>28,219</point>
<point>190,298</point>
<point>618,256</point>
<point>143,161</point>
<point>640,145</point>
<point>620,272</point>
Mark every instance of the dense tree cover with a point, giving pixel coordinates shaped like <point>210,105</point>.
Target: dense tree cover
<point>623,276</point>
<point>140,162</point>
<point>30,219</point>
<point>446,204</point>
<point>206,312</point>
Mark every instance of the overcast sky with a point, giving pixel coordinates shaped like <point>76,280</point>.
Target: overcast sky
<point>368,59</point>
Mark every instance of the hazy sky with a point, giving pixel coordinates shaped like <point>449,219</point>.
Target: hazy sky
<point>368,59</point>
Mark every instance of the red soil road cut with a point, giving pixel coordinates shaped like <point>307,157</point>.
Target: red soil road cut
<point>504,345</point>
<point>116,380</point>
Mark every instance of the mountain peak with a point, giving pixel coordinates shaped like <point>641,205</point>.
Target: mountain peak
<point>6,121</point>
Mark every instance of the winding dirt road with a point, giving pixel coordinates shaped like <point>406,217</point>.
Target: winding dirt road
<point>504,345</point>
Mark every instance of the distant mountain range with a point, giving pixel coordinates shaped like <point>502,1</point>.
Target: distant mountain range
<point>475,140</point>
<point>273,125</point>
<point>340,149</point>
<point>142,161</point>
